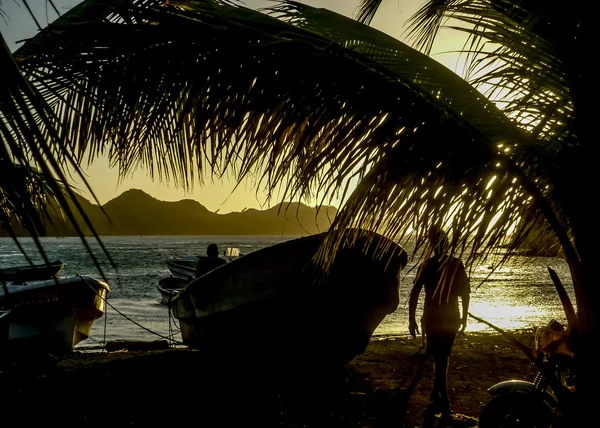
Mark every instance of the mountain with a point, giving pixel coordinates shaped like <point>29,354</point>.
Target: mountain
<point>134,212</point>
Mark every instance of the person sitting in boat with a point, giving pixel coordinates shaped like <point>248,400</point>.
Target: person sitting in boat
<point>212,261</point>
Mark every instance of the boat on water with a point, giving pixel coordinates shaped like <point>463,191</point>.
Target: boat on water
<point>273,306</point>
<point>52,315</point>
<point>185,267</point>
<point>169,287</point>
<point>33,272</point>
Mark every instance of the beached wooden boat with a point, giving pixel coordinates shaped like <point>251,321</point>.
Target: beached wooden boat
<point>52,315</point>
<point>272,306</point>
<point>34,272</point>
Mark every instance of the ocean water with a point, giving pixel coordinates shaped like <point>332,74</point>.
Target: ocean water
<point>520,295</point>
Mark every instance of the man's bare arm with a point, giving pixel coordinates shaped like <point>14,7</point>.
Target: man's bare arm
<point>466,298</point>
<point>412,308</point>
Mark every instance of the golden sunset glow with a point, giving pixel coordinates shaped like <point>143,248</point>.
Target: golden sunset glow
<point>220,194</point>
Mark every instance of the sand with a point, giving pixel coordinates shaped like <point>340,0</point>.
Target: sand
<point>386,386</point>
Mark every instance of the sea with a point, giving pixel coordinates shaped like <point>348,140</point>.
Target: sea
<point>518,296</point>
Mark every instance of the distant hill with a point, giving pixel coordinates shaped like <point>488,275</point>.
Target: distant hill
<point>134,212</point>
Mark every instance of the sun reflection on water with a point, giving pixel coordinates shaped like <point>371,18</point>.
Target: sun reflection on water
<point>519,295</point>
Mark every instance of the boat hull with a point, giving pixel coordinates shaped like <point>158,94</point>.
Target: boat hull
<point>273,307</point>
<point>53,315</point>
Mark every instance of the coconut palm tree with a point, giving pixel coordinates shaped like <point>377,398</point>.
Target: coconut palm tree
<point>533,58</point>
<point>320,105</point>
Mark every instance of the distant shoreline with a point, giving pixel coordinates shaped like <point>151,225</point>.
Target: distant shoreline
<point>135,213</point>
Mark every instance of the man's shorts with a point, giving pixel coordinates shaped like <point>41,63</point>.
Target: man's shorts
<point>439,341</point>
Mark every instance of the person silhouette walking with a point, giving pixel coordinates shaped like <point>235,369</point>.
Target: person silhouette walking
<point>445,280</point>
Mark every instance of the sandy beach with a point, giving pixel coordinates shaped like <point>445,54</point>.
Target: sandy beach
<point>386,386</point>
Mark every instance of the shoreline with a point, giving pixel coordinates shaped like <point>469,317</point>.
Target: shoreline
<point>387,385</point>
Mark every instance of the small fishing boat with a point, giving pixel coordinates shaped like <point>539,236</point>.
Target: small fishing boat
<point>274,307</point>
<point>184,267</point>
<point>52,315</point>
<point>169,287</point>
<point>34,272</point>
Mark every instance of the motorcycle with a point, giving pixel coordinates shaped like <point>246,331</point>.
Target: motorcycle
<point>548,400</point>
<point>541,403</point>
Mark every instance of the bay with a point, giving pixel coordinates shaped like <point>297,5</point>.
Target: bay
<point>520,295</point>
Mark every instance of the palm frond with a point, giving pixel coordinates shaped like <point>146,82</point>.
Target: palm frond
<point>430,78</point>
<point>366,10</point>
<point>32,157</point>
<point>308,100</point>
<point>515,51</point>
<point>90,82</point>
<point>408,65</point>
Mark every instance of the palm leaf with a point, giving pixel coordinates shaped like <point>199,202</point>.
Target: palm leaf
<point>191,87</point>
<point>514,51</point>
<point>33,159</point>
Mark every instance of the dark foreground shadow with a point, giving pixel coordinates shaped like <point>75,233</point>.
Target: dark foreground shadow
<point>170,387</point>
<point>180,387</point>
<point>396,405</point>
<point>435,420</point>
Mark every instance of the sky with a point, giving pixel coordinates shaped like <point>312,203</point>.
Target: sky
<point>216,195</point>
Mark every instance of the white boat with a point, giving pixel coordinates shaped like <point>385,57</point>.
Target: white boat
<point>52,315</point>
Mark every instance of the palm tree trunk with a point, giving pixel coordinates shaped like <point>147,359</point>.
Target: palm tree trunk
<point>586,239</point>
<point>587,368</point>
<point>584,220</point>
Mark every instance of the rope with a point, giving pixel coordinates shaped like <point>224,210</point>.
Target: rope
<point>105,320</point>
<point>172,318</point>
